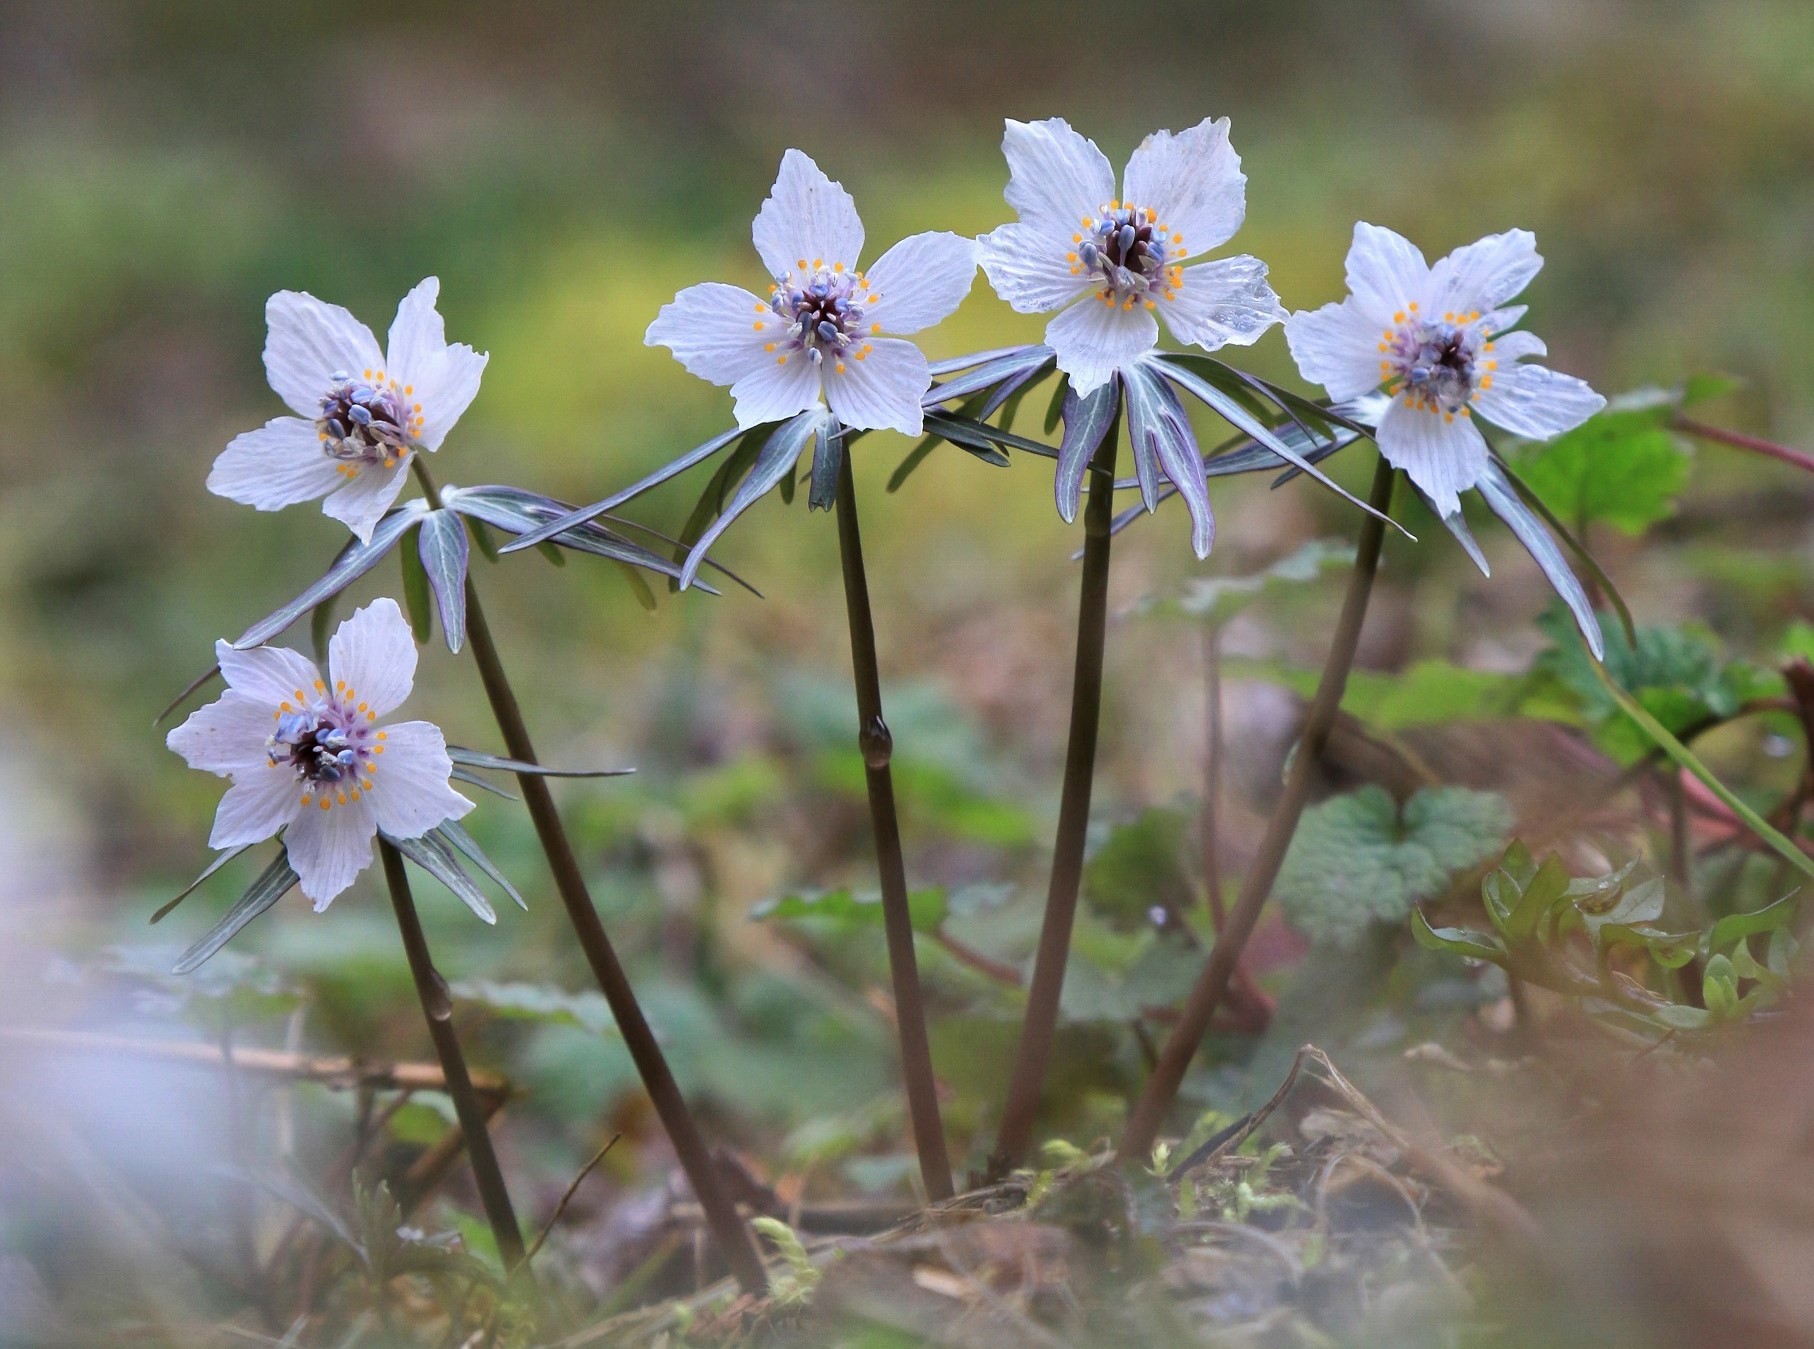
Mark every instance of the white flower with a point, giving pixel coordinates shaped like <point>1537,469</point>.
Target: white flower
<point>818,333</point>
<point>1182,196</point>
<point>309,756</point>
<point>361,412</point>
<point>1437,337</point>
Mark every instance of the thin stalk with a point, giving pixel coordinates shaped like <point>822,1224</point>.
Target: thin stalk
<point>1210,824</point>
<point>877,746</point>
<point>437,1009</point>
<point>1212,983</point>
<point>1036,1028</point>
<point>1740,441</point>
<point>728,1228</point>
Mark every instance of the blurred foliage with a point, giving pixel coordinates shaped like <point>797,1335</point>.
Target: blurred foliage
<point>564,171</point>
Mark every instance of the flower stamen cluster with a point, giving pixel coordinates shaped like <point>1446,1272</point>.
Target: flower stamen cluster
<point>329,742</point>
<point>1439,367</point>
<point>370,421</point>
<point>820,313</point>
<point>1131,249</point>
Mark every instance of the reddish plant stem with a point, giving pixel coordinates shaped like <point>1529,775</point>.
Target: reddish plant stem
<point>1037,1027</point>
<point>1181,1046</point>
<point>877,747</point>
<point>727,1226</point>
<point>1739,440</point>
<point>437,1010</point>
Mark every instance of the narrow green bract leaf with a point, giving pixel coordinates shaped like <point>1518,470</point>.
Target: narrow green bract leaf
<point>273,884</point>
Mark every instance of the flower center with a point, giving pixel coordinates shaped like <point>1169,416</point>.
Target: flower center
<point>328,741</point>
<point>1131,251</point>
<point>368,421</point>
<point>819,313</point>
<point>1439,366</point>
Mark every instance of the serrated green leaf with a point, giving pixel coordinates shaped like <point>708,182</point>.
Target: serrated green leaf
<point>1622,466</point>
<point>586,1010</point>
<point>1358,860</point>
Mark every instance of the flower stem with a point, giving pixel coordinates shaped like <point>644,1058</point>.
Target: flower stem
<point>1738,440</point>
<point>1212,983</point>
<point>437,1008</point>
<point>728,1229</point>
<point>877,746</point>
<point>1209,823</point>
<point>1036,1028</point>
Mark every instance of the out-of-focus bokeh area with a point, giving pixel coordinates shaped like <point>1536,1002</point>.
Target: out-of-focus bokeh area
<point>564,170</point>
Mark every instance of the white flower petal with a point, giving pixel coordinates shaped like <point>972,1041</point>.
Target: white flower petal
<point>418,334</point>
<point>921,280</point>
<point>1194,181</point>
<point>716,331</point>
<point>1026,264</point>
<point>1498,320</point>
<point>308,342</point>
<point>445,390</point>
<point>1056,176</point>
<point>275,466</point>
<point>226,736</point>
<point>1443,457</point>
<point>329,848</point>
<point>1485,274</point>
<point>776,390</point>
<point>443,380</point>
<point>262,800</point>
<point>364,500</point>
<point>374,654</point>
<point>808,221</point>
<point>271,674</point>
<point>1221,302</point>
<point>1535,401</point>
<point>1093,340</point>
<point>1515,347</point>
<point>883,390</point>
<point>1386,272</point>
<point>411,794</point>
<point>1336,346</point>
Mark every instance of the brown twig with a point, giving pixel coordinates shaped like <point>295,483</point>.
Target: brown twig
<point>567,1197</point>
<point>332,1070</point>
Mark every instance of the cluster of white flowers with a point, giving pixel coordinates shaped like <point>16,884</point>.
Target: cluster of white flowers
<point>302,752</point>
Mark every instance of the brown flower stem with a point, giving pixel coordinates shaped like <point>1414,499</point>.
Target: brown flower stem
<point>1738,440</point>
<point>437,1008</point>
<point>728,1229</point>
<point>877,746</point>
<point>1212,983</point>
<point>1037,1027</point>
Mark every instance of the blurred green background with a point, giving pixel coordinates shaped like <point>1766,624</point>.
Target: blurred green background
<point>564,170</point>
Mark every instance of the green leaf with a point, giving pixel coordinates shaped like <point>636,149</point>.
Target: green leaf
<point>1217,599</point>
<point>586,1010</point>
<point>1458,941</point>
<point>848,909</point>
<point>1431,692</point>
<point>416,601</point>
<point>1358,860</point>
<point>1736,927</point>
<point>1140,864</point>
<point>1622,466</point>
